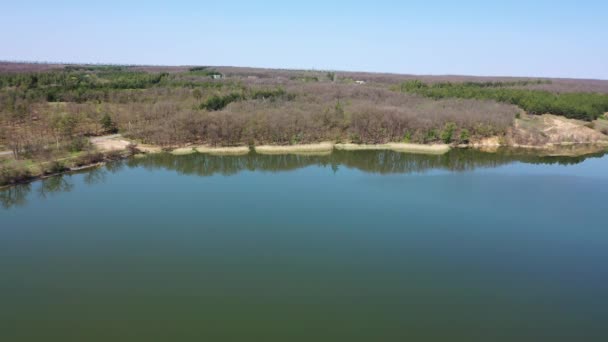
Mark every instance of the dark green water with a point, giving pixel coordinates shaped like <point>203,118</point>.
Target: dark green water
<point>356,246</point>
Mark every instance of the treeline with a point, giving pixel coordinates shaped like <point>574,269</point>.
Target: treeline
<point>583,106</point>
<point>75,85</point>
<point>496,84</point>
<point>73,79</point>
<point>98,83</point>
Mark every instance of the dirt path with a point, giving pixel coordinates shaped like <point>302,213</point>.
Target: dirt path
<point>116,142</point>
<point>107,143</point>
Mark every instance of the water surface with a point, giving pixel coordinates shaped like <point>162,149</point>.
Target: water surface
<point>354,246</point>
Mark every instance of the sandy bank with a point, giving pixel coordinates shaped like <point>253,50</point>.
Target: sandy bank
<point>397,147</point>
<point>183,151</point>
<point>229,151</point>
<point>320,148</point>
<point>544,131</point>
<point>145,148</point>
<point>235,151</point>
<point>566,149</point>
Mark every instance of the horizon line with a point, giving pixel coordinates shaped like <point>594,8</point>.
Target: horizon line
<point>291,69</point>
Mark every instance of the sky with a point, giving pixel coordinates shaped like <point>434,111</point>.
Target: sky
<point>515,38</point>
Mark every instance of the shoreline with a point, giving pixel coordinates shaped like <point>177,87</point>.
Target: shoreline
<point>321,148</point>
<point>397,147</point>
<point>326,148</point>
<point>562,134</point>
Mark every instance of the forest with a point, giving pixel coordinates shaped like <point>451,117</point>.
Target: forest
<point>578,105</point>
<point>48,112</point>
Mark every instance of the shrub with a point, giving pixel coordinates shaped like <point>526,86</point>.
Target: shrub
<point>448,132</point>
<point>216,102</point>
<point>89,158</point>
<point>14,173</point>
<point>413,86</point>
<point>108,124</point>
<point>54,167</point>
<point>272,95</point>
<point>465,136</point>
<point>431,136</point>
<point>407,137</point>
<point>197,94</point>
<point>79,144</point>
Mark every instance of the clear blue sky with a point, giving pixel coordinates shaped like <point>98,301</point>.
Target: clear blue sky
<point>518,38</point>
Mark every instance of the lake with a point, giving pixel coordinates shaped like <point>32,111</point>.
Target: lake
<point>352,246</point>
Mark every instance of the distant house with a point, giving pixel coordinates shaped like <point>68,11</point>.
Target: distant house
<point>217,76</point>
<point>360,82</point>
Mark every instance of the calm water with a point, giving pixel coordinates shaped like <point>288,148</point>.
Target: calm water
<point>355,246</point>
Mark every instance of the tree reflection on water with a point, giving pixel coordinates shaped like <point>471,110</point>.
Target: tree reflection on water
<point>382,162</point>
